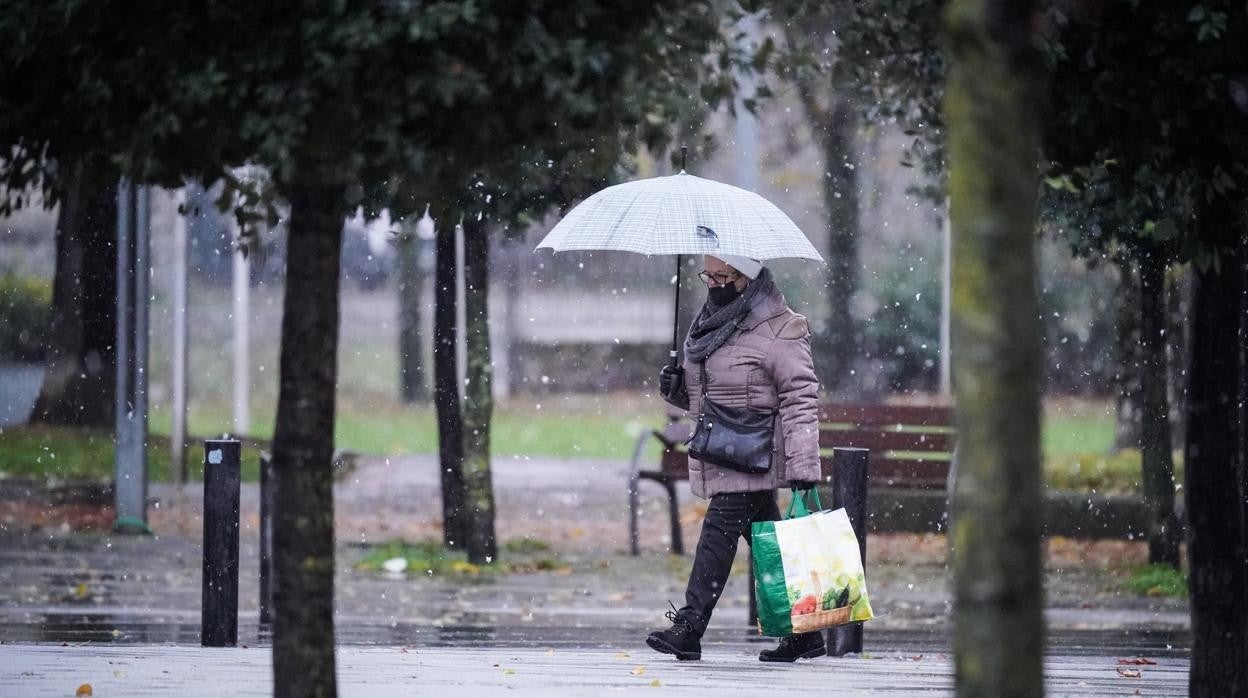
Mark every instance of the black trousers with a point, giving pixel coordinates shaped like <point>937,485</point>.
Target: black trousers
<point>727,519</point>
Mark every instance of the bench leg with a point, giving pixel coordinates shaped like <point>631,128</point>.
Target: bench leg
<point>678,541</point>
<point>634,537</point>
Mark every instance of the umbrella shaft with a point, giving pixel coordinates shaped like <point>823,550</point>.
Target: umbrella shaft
<point>676,316</point>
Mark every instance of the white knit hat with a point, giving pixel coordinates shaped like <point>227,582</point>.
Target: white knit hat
<point>745,265</point>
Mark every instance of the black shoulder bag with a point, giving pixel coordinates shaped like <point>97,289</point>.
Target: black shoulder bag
<point>735,438</point>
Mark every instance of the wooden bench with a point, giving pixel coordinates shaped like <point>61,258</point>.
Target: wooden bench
<point>911,447</point>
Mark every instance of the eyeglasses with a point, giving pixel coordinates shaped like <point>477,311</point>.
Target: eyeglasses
<point>719,279</point>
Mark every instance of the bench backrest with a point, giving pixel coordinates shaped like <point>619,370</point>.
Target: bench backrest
<point>911,445</point>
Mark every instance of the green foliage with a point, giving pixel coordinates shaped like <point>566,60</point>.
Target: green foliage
<point>25,303</point>
<point>525,546</point>
<point>1138,141</point>
<point>902,334</point>
<point>1158,580</point>
<point>428,558</point>
<point>495,110</point>
<point>1132,142</point>
<point>885,54</point>
<point>1098,472</point>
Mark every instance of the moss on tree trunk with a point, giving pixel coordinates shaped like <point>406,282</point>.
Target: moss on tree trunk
<point>478,396</point>
<point>991,111</point>
<point>411,355</point>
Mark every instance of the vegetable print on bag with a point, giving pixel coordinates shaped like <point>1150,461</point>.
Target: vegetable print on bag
<point>808,572</point>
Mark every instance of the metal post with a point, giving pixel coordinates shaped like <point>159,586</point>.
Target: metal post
<point>946,282</point>
<point>219,610</point>
<point>266,540</point>
<point>177,431</point>
<point>849,477</point>
<point>461,313</point>
<point>142,323</point>
<point>123,407</point>
<point>242,290</point>
<point>130,493</point>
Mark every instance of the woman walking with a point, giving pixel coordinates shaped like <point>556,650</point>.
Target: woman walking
<point>746,350</point>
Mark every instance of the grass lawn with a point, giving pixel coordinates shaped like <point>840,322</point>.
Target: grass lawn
<point>61,453</point>
<point>1077,437</point>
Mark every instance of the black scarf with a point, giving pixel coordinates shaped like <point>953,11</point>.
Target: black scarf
<point>716,323</point>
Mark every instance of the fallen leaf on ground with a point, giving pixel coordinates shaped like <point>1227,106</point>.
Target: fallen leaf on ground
<point>509,671</point>
<point>655,683</point>
<point>620,655</point>
<point>915,658</point>
<point>1129,673</point>
<point>84,690</point>
<point>622,596</point>
<point>638,670</point>
<point>1143,661</point>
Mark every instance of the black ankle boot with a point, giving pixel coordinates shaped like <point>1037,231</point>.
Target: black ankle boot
<point>795,647</point>
<point>681,639</point>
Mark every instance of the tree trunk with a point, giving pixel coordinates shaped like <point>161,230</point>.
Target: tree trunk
<point>837,345</point>
<point>1215,507</point>
<point>446,393</point>
<point>79,382</point>
<point>1157,466</point>
<point>411,356</point>
<point>478,396</point>
<point>1127,358</point>
<point>303,438</point>
<point>1178,316</point>
<point>991,109</point>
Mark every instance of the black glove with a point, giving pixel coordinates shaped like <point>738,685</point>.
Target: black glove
<point>797,485</point>
<point>671,381</point>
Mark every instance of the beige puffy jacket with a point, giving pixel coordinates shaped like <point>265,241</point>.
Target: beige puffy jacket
<point>766,364</point>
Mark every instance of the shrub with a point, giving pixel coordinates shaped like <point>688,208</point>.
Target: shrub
<point>25,310</point>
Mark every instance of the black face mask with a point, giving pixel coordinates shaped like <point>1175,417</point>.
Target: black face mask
<point>723,295</point>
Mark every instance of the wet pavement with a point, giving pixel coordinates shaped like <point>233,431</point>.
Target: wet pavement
<point>540,671</point>
<point>104,595</point>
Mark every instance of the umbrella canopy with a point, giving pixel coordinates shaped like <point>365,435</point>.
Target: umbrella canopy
<point>681,214</point>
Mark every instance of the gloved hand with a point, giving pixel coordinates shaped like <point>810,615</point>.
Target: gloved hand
<point>797,485</point>
<point>671,381</point>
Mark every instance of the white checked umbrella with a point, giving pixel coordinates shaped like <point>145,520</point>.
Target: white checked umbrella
<point>681,214</point>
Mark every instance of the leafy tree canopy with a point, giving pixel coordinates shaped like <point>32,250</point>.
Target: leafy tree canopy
<point>495,107</point>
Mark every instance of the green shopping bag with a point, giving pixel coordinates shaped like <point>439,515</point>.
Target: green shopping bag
<point>808,573</point>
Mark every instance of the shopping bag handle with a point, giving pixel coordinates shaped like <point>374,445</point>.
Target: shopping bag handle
<point>798,506</point>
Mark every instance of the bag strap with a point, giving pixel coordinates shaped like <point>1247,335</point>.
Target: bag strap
<point>702,375</point>
<point>798,506</point>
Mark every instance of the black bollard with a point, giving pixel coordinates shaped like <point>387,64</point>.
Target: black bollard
<point>219,610</point>
<point>266,540</point>
<point>849,473</point>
